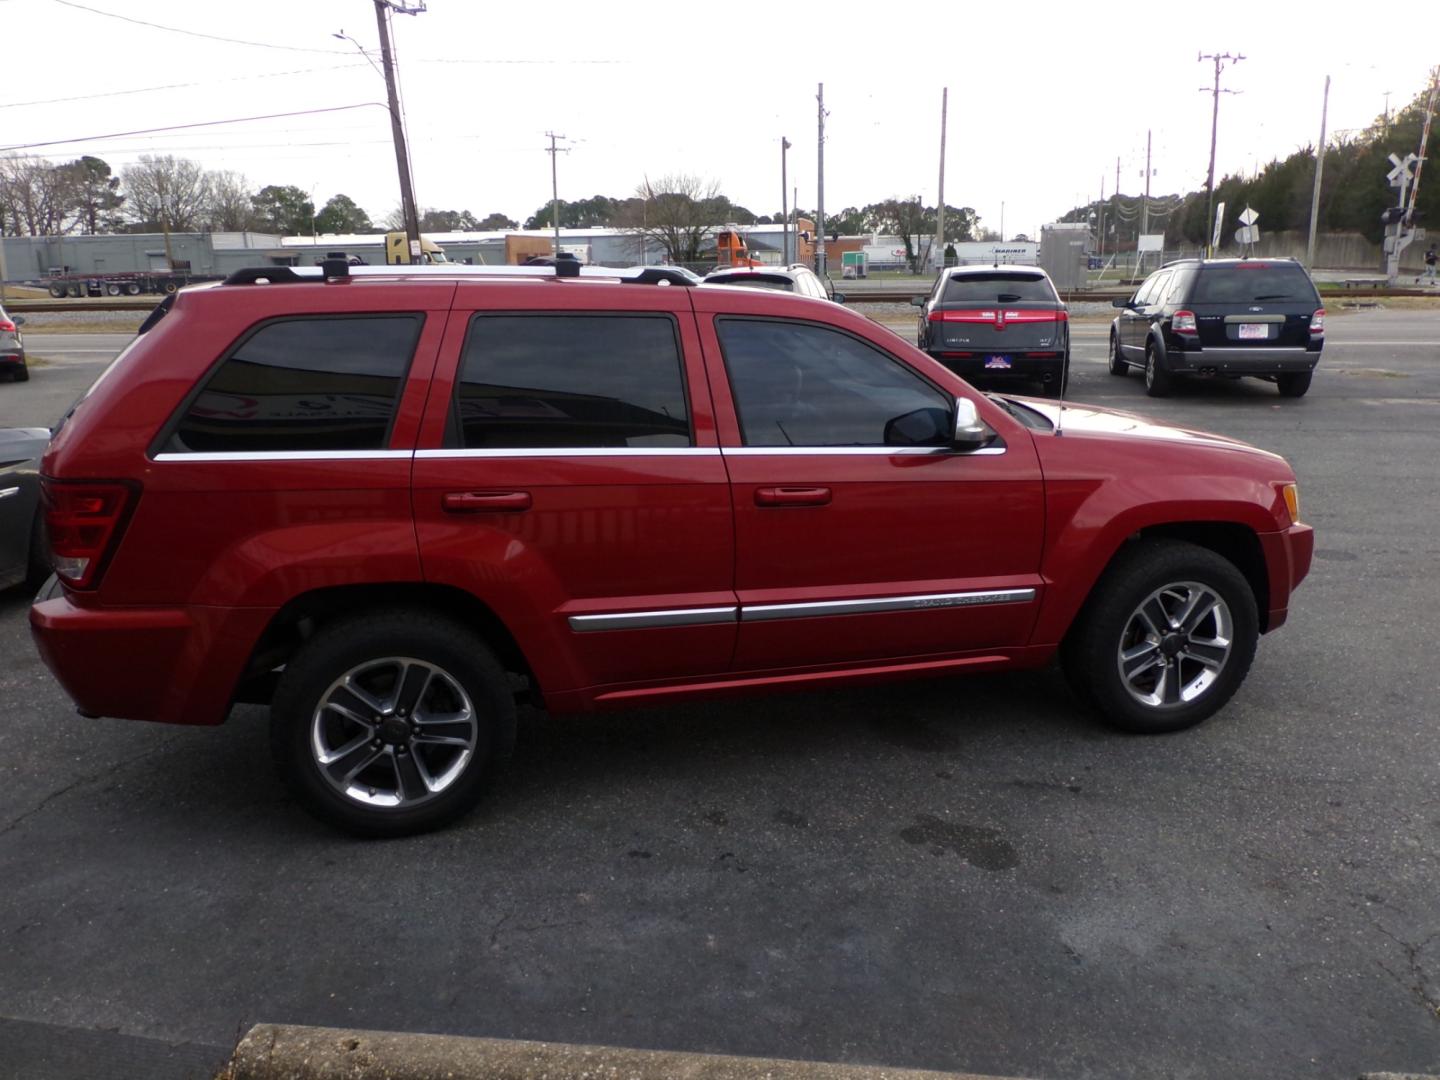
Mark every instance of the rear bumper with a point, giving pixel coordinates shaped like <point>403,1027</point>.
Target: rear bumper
<point>172,665</point>
<point>1020,367</point>
<point>1238,360</point>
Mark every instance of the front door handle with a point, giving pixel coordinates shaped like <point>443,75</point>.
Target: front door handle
<point>478,502</point>
<point>792,496</point>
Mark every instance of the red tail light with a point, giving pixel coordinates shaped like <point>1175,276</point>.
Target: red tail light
<point>84,520</point>
<point>1317,322</point>
<point>6,326</point>
<point>1183,322</point>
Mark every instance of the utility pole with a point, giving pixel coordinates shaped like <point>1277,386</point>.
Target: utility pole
<point>1002,221</point>
<point>820,190</point>
<point>397,126</point>
<point>555,153</point>
<point>1145,201</point>
<point>940,211</point>
<point>1102,215</point>
<point>1385,130</point>
<point>784,206</point>
<point>1319,172</point>
<point>1220,60</point>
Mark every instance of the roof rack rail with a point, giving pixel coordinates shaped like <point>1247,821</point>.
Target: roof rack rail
<point>337,269</point>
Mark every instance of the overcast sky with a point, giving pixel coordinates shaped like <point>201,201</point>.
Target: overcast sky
<point>1043,97</point>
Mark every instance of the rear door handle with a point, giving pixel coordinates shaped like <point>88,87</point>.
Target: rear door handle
<point>478,502</point>
<point>792,496</point>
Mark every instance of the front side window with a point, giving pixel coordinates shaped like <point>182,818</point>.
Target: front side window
<point>547,380</point>
<point>796,384</point>
<point>322,383</point>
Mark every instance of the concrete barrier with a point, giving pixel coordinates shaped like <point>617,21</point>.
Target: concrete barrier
<point>286,1052</point>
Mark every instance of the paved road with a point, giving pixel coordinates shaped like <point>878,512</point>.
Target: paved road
<point>965,874</point>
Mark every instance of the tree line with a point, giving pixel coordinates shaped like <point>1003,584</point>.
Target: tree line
<point>1354,191</point>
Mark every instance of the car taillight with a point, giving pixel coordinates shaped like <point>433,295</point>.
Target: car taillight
<point>1183,322</point>
<point>1317,322</point>
<point>6,326</point>
<point>83,520</point>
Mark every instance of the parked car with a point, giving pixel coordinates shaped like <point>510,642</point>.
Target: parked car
<point>1221,317</point>
<point>310,494</point>
<point>797,278</point>
<point>12,348</point>
<point>997,325</point>
<point>22,544</point>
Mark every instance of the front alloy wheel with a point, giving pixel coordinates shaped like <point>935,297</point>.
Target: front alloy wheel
<point>1175,644</point>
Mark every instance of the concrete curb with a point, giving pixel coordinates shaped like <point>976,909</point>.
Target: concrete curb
<point>287,1052</point>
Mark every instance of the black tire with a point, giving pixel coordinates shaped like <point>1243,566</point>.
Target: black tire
<point>1158,381</point>
<point>396,641</point>
<point>1294,385</point>
<point>39,561</point>
<point>112,289</point>
<point>20,374</point>
<point>57,291</point>
<point>169,287</point>
<point>132,288</point>
<point>1165,573</point>
<point>1118,366</point>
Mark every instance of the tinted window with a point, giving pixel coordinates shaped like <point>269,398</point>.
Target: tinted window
<point>1153,288</point>
<point>801,385</point>
<point>997,288</point>
<point>1175,290</point>
<point>572,381</point>
<point>304,384</point>
<point>1245,283</point>
<point>757,281</point>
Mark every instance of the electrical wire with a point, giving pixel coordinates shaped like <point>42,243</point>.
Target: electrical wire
<point>196,33</point>
<point>180,127</point>
<point>175,86</point>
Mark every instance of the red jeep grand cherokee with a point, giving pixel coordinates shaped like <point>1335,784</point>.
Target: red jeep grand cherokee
<point>387,502</point>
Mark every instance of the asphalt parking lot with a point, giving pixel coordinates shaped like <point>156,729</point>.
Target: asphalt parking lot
<point>962,874</point>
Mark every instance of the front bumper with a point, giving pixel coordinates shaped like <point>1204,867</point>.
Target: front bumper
<point>176,665</point>
<point>1287,561</point>
<point>1238,360</point>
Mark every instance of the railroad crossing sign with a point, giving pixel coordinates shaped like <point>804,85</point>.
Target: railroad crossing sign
<point>1400,175</point>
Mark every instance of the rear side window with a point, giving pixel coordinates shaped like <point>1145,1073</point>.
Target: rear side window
<point>997,288</point>
<point>326,383</point>
<point>557,381</point>
<point>1245,283</point>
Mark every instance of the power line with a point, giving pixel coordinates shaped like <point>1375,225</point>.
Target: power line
<point>196,33</point>
<point>181,127</point>
<point>176,86</point>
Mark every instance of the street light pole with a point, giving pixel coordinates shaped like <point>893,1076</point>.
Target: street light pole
<point>397,131</point>
<point>1219,59</point>
<point>784,205</point>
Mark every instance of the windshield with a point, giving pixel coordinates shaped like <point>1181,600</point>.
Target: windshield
<point>1245,283</point>
<point>1001,287</point>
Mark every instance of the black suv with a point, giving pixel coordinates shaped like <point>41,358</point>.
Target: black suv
<point>1221,317</point>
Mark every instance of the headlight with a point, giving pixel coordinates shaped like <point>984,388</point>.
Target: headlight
<point>1292,501</point>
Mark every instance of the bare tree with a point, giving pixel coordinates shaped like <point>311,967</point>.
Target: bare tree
<point>231,208</point>
<point>37,197</point>
<point>674,212</point>
<point>167,192</point>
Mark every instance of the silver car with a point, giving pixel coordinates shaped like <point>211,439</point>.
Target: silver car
<point>12,348</point>
<point>23,554</point>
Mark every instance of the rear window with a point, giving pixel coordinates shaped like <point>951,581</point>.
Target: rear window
<point>1245,283</point>
<point>997,288</point>
<point>756,281</point>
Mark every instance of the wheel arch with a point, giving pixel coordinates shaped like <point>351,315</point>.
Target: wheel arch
<point>302,615</point>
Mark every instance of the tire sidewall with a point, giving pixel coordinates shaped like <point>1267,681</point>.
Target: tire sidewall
<point>350,643</point>
<point>1135,575</point>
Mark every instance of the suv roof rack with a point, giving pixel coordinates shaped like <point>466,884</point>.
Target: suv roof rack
<point>336,269</point>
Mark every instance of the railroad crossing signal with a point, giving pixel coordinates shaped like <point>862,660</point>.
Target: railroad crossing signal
<point>1400,176</point>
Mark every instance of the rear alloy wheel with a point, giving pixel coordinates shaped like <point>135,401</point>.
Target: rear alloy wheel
<point>1166,639</point>
<point>1158,381</point>
<point>1118,366</point>
<point>392,723</point>
<point>1294,385</point>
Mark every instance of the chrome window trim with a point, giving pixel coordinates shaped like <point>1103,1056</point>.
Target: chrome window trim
<point>639,620</point>
<point>574,451</point>
<point>928,601</point>
<point>865,451</point>
<point>284,455</point>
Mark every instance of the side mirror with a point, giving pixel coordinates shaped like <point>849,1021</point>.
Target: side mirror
<point>918,301</point>
<point>838,297</point>
<point>1122,302</point>
<point>971,433</point>
<point>18,320</point>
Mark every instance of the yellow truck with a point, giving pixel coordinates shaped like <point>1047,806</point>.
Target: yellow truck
<point>397,251</point>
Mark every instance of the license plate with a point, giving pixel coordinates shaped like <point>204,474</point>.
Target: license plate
<point>997,363</point>
<point>1253,330</point>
